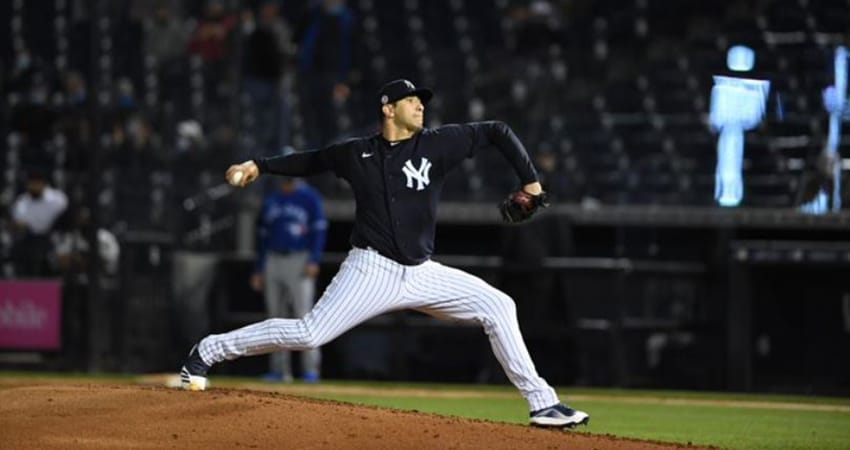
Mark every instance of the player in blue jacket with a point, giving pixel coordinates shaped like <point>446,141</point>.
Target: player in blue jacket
<point>291,229</point>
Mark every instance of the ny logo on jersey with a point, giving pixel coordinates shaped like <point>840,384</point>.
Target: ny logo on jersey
<point>420,174</point>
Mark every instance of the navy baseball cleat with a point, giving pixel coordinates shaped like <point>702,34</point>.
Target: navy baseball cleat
<point>193,374</point>
<point>558,416</point>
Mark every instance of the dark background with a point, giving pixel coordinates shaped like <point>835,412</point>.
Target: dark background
<point>633,278</point>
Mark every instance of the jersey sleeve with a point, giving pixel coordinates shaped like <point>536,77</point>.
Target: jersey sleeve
<point>465,140</point>
<point>311,162</point>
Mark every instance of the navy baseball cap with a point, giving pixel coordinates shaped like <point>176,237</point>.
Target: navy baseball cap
<point>398,89</point>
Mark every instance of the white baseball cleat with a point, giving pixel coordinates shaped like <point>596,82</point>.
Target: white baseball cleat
<point>558,416</point>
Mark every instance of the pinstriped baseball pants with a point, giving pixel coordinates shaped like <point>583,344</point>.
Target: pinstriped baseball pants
<point>369,284</point>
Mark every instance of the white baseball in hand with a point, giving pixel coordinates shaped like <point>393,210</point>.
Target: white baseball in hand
<point>236,177</point>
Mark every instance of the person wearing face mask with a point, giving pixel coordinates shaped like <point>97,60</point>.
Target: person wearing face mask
<point>34,213</point>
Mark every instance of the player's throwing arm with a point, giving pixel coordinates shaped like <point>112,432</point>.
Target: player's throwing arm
<point>241,175</point>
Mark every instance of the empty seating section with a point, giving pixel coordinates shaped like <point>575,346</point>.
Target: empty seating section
<point>619,91</point>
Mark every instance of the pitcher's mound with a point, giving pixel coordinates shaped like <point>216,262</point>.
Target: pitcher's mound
<point>112,416</point>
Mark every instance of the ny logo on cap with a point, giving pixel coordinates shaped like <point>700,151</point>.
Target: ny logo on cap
<point>409,85</point>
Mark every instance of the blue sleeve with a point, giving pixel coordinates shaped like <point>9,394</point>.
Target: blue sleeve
<point>262,239</point>
<point>318,228</point>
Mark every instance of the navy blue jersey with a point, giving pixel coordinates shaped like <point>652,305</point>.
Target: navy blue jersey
<point>396,185</point>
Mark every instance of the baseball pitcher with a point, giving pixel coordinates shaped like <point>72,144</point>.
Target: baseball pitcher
<point>396,176</point>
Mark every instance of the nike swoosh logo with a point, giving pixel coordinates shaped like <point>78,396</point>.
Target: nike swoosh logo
<point>366,155</point>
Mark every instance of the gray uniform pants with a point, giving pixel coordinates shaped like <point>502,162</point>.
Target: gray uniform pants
<point>289,294</point>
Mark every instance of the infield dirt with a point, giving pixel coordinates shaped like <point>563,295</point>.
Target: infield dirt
<point>47,416</point>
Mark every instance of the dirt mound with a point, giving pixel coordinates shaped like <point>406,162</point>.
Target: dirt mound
<point>110,416</point>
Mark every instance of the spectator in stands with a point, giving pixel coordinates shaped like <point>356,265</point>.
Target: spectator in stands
<point>267,44</point>
<point>73,250</point>
<point>165,41</point>
<point>165,36</point>
<point>325,66</point>
<point>73,122</point>
<point>210,38</point>
<point>291,231</point>
<point>190,145</point>
<point>135,147</point>
<point>35,213</point>
<point>211,41</point>
<point>537,25</point>
<point>135,156</point>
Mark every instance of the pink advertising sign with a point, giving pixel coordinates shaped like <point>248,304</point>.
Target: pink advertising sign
<point>30,315</point>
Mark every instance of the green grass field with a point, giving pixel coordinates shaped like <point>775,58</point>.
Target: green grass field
<point>734,421</point>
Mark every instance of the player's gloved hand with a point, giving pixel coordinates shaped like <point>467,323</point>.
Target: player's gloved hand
<point>521,206</point>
